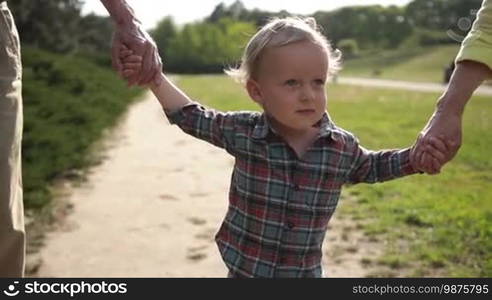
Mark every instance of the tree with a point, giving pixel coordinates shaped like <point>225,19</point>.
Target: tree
<point>441,14</point>
<point>164,34</point>
<point>49,24</point>
<point>371,26</point>
<point>96,34</point>
<point>205,47</point>
<point>219,12</point>
<point>237,11</point>
<point>349,48</point>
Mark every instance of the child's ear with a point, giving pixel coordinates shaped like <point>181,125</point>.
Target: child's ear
<point>254,91</point>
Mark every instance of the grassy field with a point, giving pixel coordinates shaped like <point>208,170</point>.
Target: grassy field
<point>433,226</point>
<point>416,64</point>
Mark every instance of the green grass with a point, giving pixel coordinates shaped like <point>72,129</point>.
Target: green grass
<point>442,224</point>
<point>417,64</point>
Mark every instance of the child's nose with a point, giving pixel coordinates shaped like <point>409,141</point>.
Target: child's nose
<point>307,93</point>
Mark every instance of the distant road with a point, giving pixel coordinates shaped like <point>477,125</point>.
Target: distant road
<point>406,85</point>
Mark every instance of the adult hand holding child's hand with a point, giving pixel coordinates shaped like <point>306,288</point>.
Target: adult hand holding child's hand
<point>430,154</point>
<point>133,37</point>
<point>443,131</point>
<point>131,64</point>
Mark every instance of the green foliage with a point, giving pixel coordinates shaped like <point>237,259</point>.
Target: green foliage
<point>57,26</point>
<point>202,47</point>
<point>48,24</point>
<point>420,23</point>
<point>164,34</point>
<point>441,15</point>
<point>238,12</point>
<point>210,45</point>
<point>371,26</point>
<point>445,221</point>
<point>95,36</point>
<point>68,102</point>
<point>349,48</point>
<point>424,37</point>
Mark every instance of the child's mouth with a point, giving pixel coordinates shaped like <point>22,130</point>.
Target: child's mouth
<point>306,111</point>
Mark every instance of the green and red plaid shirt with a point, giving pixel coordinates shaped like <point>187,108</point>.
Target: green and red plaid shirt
<point>279,204</point>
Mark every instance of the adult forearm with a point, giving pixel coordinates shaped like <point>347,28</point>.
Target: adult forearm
<point>121,13</point>
<point>467,77</point>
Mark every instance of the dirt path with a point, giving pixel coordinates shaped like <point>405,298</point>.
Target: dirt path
<point>152,207</point>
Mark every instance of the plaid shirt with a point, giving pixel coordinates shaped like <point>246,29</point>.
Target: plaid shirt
<point>279,204</point>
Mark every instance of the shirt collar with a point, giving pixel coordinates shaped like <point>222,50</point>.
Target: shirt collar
<point>263,127</point>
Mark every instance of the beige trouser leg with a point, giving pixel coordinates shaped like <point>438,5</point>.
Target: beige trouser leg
<point>12,235</point>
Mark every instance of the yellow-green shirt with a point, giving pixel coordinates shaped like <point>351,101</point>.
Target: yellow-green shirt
<point>477,45</point>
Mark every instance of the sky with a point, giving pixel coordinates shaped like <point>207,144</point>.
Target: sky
<point>149,12</point>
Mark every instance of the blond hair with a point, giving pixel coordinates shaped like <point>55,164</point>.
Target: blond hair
<point>281,32</point>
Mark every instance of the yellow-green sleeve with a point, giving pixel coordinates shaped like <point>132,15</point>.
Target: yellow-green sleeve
<point>478,44</point>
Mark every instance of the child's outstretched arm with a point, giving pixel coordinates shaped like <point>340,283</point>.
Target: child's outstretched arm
<point>170,97</point>
<point>215,127</point>
<point>371,166</point>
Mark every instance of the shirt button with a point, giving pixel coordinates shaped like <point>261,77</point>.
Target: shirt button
<point>291,225</point>
<point>297,188</point>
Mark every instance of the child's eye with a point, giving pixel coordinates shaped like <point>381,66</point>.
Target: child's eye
<point>291,82</point>
<point>320,82</point>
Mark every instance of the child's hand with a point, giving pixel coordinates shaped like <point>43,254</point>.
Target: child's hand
<point>131,63</point>
<point>435,151</point>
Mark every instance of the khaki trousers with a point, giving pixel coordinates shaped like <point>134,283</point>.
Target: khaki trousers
<point>12,234</point>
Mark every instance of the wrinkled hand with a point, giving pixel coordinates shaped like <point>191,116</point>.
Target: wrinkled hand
<point>435,155</point>
<point>139,41</point>
<point>442,132</point>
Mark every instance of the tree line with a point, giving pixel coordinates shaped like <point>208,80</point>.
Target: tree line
<point>218,40</point>
<point>58,26</point>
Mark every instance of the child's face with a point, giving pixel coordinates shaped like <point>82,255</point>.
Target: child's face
<point>290,84</point>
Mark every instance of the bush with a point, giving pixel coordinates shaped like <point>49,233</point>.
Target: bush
<point>68,102</point>
<point>424,37</point>
<point>349,48</point>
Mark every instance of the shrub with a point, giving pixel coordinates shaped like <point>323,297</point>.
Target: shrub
<point>68,102</point>
<point>349,48</point>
